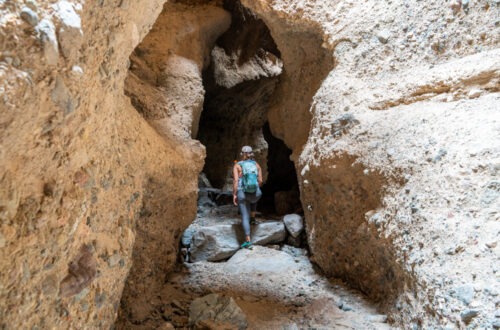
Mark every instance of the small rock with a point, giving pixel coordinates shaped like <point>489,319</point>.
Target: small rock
<point>77,70</point>
<point>294,224</point>
<point>380,318</point>
<point>82,294</point>
<point>49,285</point>
<point>47,35</point>
<point>61,96</point>
<point>70,33</point>
<point>474,93</point>
<point>29,16</point>
<point>114,260</point>
<point>383,36</point>
<point>492,245</point>
<point>465,293</point>
<point>346,308</point>
<point>100,299</point>
<point>343,124</point>
<point>469,314</point>
<point>455,6</point>
<point>441,153</point>
<point>217,308</point>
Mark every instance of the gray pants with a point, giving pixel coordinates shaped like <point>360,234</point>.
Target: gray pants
<point>247,202</point>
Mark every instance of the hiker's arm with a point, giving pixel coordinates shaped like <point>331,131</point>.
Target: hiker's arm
<point>236,176</point>
<point>259,176</point>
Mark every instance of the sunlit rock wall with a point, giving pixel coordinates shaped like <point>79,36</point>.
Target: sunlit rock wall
<point>391,109</point>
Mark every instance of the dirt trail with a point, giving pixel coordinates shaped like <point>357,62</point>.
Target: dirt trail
<point>276,288</point>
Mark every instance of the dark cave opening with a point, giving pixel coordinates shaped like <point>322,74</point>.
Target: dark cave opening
<point>235,110</point>
<point>280,193</point>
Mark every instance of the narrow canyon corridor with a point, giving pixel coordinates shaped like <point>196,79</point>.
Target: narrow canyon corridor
<point>376,125</point>
<point>271,286</point>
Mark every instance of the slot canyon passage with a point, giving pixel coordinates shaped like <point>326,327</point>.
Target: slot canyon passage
<point>376,124</point>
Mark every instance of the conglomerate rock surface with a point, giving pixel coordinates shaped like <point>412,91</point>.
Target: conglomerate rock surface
<point>390,108</point>
<point>83,177</point>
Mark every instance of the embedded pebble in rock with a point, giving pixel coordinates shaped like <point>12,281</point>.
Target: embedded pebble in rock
<point>29,16</point>
<point>47,33</point>
<point>468,315</point>
<point>70,34</point>
<point>474,93</point>
<point>384,36</point>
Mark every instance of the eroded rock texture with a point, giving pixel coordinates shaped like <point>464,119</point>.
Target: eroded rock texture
<point>400,152</point>
<point>390,110</point>
<point>83,177</point>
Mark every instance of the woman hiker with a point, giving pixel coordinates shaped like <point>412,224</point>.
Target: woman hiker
<point>247,179</point>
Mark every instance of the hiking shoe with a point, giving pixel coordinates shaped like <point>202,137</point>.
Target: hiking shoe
<point>246,245</point>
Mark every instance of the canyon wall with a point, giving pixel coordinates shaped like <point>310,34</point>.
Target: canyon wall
<point>83,176</point>
<point>399,171</point>
<point>390,109</point>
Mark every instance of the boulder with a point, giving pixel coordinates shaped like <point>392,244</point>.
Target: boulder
<point>294,224</point>
<point>261,260</point>
<point>215,243</point>
<point>219,242</point>
<point>268,233</point>
<point>219,311</point>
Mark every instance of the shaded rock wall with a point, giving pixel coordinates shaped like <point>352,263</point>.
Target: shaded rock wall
<point>388,194</point>
<point>81,170</point>
<point>165,85</point>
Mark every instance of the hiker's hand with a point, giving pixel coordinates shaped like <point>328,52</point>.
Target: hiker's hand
<point>235,200</point>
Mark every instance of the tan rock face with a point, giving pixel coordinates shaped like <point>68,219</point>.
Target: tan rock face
<point>76,162</point>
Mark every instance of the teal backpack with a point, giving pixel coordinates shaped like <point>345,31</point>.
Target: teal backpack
<point>249,180</point>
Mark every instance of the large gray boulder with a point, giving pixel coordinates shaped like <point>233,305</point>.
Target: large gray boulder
<point>216,312</point>
<point>261,260</point>
<point>268,233</point>
<point>215,243</point>
<point>219,242</point>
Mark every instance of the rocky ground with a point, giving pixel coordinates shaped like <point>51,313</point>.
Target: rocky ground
<point>272,287</point>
